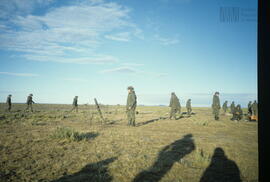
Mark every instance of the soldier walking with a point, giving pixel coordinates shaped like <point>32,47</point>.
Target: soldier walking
<point>216,105</point>
<point>225,107</point>
<point>75,104</point>
<point>232,107</point>
<point>131,106</point>
<point>188,106</point>
<point>175,105</point>
<point>9,103</point>
<point>29,102</point>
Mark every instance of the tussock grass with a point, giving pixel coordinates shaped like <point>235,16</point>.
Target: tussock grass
<point>68,149</point>
<point>71,135</point>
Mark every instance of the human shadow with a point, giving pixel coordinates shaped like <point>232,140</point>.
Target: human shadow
<point>166,158</point>
<point>89,135</point>
<point>221,169</point>
<point>151,121</point>
<point>96,172</point>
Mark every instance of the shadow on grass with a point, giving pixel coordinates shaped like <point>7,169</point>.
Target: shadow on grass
<point>96,172</point>
<point>221,169</point>
<point>89,135</point>
<point>151,121</point>
<point>166,158</point>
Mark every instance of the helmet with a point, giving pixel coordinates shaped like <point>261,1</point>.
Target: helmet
<point>130,88</point>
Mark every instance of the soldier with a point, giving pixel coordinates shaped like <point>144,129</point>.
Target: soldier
<point>175,105</point>
<point>254,108</point>
<point>29,102</point>
<point>9,103</point>
<point>232,107</point>
<point>75,104</point>
<point>225,107</point>
<point>188,106</point>
<point>238,112</point>
<point>131,106</point>
<point>216,105</point>
<point>249,108</point>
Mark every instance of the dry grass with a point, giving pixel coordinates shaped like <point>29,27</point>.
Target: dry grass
<point>157,148</point>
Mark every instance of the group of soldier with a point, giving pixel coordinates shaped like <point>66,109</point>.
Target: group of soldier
<point>237,111</point>
<point>29,102</point>
<point>174,104</point>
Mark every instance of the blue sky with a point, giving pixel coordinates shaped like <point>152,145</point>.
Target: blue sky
<point>57,49</point>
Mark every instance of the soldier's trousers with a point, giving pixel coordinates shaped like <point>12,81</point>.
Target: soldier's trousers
<point>74,107</point>
<point>216,113</point>
<point>27,108</point>
<point>131,117</point>
<point>173,112</point>
<point>9,107</point>
<point>189,111</point>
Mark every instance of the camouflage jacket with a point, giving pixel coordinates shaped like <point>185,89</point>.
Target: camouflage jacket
<point>232,106</point>
<point>29,100</point>
<point>216,102</point>
<point>9,101</point>
<point>188,105</point>
<point>131,100</point>
<point>174,102</point>
<point>75,102</point>
<point>224,106</point>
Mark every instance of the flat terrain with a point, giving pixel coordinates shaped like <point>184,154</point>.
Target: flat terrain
<point>34,146</point>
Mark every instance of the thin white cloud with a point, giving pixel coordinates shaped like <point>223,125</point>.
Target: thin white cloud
<point>19,74</point>
<point>10,8</point>
<point>120,70</point>
<point>166,41</point>
<point>76,80</point>
<point>81,60</point>
<point>130,70</point>
<point>123,36</point>
<point>67,32</point>
<point>132,64</point>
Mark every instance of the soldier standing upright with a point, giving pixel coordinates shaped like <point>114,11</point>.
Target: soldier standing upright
<point>9,102</point>
<point>175,105</point>
<point>254,108</point>
<point>232,107</point>
<point>216,105</point>
<point>75,104</point>
<point>29,102</point>
<point>131,106</point>
<point>225,106</point>
<point>249,108</point>
<point>188,106</point>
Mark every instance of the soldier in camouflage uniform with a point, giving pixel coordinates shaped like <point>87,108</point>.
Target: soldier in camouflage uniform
<point>29,102</point>
<point>238,113</point>
<point>75,104</point>
<point>131,106</point>
<point>9,103</point>
<point>188,106</point>
<point>254,108</point>
<point>216,105</point>
<point>225,107</point>
<point>232,107</point>
<point>175,105</point>
<point>249,108</point>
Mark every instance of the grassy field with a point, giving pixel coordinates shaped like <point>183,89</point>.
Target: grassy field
<point>52,144</point>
